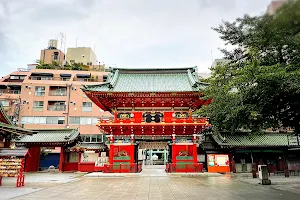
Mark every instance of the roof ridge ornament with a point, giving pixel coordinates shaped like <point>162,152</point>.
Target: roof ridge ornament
<point>114,79</point>
<point>191,78</point>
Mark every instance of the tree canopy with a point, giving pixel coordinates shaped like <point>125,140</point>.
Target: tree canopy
<point>258,86</point>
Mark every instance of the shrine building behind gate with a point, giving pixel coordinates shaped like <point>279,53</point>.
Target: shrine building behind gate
<point>152,111</point>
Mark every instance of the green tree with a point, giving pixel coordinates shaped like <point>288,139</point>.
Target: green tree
<point>259,86</point>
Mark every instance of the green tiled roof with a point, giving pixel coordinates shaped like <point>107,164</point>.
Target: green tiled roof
<point>92,146</point>
<point>4,118</point>
<point>150,80</point>
<point>51,136</point>
<point>254,140</point>
<point>12,129</point>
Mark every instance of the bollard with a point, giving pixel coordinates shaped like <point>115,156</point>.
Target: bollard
<point>263,175</point>
<point>286,171</point>
<point>254,170</point>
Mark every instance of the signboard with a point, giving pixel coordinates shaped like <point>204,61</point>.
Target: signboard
<point>211,160</point>
<point>153,117</point>
<point>222,160</point>
<point>294,140</point>
<point>201,158</point>
<point>181,115</point>
<point>125,115</point>
<point>184,141</point>
<point>218,163</point>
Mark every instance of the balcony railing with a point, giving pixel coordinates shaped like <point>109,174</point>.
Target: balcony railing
<point>10,91</point>
<point>58,93</point>
<point>41,78</point>
<point>40,108</point>
<point>56,107</point>
<point>87,80</point>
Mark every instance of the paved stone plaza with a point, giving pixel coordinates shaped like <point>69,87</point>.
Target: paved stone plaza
<point>165,187</point>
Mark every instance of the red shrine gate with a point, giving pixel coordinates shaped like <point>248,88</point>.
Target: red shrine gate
<point>155,103</point>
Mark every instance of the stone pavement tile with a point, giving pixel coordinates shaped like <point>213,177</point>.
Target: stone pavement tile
<point>181,188</point>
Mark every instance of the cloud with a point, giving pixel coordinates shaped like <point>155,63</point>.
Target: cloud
<point>129,33</point>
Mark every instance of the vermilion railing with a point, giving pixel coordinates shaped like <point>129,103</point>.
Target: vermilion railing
<point>122,168</point>
<point>177,167</point>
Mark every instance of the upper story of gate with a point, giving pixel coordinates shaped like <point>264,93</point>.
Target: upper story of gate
<point>169,89</point>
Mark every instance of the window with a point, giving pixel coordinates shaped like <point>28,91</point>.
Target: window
<point>57,91</point>
<point>56,105</point>
<point>14,77</point>
<point>5,103</point>
<point>34,120</point>
<point>65,78</point>
<point>42,120</point>
<point>104,78</point>
<point>41,78</point>
<point>74,120</point>
<point>55,56</point>
<point>86,106</point>
<point>38,105</point>
<point>94,120</point>
<point>39,91</point>
<point>84,120</point>
<point>92,138</point>
<point>55,120</point>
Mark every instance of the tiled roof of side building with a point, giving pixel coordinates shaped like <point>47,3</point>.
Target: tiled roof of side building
<point>51,136</point>
<point>8,126</point>
<point>150,80</point>
<point>253,140</point>
<point>93,146</point>
<point>4,118</point>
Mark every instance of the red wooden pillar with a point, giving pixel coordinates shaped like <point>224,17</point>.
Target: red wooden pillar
<point>132,154</point>
<point>132,149</point>
<point>195,153</point>
<point>174,148</point>
<point>232,163</point>
<point>79,161</point>
<point>195,148</point>
<point>6,144</point>
<point>111,153</point>
<point>61,159</point>
<point>111,149</point>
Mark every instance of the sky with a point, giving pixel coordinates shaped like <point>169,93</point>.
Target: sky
<point>123,33</point>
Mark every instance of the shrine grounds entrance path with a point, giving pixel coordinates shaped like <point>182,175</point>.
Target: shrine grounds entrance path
<point>222,187</point>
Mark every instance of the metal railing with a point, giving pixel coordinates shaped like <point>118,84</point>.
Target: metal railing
<point>58,93</point>
<point>10,91</point>
<point>56,107</point>
<point>40,108</point>
<point>123,168</point>
<point>88,80</point>
<point>178,167</point>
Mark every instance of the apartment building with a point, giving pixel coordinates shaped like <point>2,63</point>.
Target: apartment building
<point>275,5</point>
<point>51,53</point>
<point>84,55</point>
<point>44,99</point>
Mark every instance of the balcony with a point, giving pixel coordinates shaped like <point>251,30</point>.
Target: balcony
<point>41,76</point>
<point>6,91</point>
<point>58,91</point>
<point>15,78</point>
<point>87,80</point>
<point>56,106</point>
